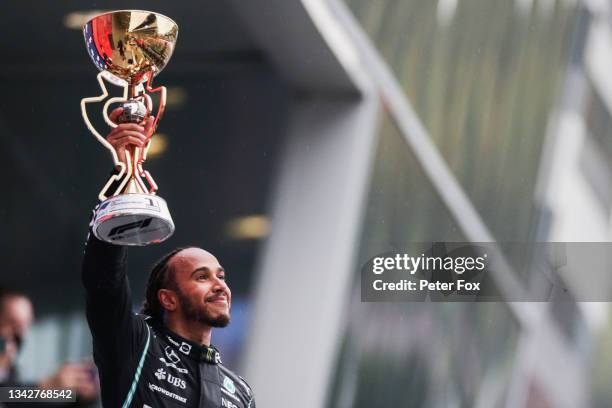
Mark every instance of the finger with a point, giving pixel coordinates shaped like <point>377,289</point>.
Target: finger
<point>129,140</point>
<point>120,130</point>
<point>127,145</point>
<point>129,126</point>
<point>120,137</point>
<point>112,133</point>
<point>115,114</point>
<point>123,133</point>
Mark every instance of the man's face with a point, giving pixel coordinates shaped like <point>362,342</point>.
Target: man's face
<point>17,313</point>
<point>201,288</point>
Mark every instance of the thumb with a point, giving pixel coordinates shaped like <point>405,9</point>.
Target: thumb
<point>115,114</point>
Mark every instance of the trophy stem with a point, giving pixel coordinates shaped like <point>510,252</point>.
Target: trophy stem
<point>135,185</point>
<point>133,91</point>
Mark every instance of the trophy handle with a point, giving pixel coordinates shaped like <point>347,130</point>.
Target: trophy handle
<point>162,102</point>
<point>152,188</point>
<point>123,169</point>
<point>142,155</point>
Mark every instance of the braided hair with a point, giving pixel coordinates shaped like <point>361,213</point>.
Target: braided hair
<point>159,278</point>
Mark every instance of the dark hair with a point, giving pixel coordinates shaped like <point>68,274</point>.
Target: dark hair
<point>159,278</point>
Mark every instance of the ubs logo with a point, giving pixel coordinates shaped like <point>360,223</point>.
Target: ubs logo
<point>161,374</point>
<point>177,382</point>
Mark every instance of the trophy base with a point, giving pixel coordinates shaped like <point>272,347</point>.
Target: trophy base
<point>133,220</point>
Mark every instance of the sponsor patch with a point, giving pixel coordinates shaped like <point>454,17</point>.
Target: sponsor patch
<point>177,382</point>
<point>160,374</point>
<point>179,369</point>
<point>173,360</point>
<point>171,354</point>
<point>161,390</point>
<point>185,348</point>
<point>227,404</point>
<point>229,385</point>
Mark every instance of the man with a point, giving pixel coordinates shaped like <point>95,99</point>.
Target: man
<point>163,357</point>
<point>16,316</point>
<point>16,312</point>
<point>8,354</point>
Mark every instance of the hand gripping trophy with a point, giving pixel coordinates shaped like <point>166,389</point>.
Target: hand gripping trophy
<point>130,47</point>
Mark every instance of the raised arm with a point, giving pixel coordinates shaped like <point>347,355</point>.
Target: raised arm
<point>114,327</point>
<point>109,299</point>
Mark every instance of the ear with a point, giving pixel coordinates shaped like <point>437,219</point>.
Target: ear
<point>168,299</point>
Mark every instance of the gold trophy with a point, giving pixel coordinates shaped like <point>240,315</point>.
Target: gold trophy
<point>130,47</point>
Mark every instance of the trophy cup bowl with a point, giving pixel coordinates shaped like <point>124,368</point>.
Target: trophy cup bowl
<point>129,48</point>
<point>130,43</point>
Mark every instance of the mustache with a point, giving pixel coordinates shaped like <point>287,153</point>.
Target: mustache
<point>217,296</point>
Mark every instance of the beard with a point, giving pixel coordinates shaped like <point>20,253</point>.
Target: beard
<point>198,313</point>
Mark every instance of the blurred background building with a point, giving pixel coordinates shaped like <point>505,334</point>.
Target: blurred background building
<point>301,139</point>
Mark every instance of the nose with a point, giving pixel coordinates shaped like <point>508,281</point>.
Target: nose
<point>220,285</point>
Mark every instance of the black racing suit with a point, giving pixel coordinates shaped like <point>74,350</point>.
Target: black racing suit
<point>141,362</point>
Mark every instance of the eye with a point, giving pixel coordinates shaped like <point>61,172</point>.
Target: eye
<point>202,277</point>
<point>222,277</point>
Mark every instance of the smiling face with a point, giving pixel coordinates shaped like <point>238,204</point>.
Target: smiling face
<point>202,294</point>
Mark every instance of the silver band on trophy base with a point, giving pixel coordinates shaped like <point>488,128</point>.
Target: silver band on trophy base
<point>133,219</point>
